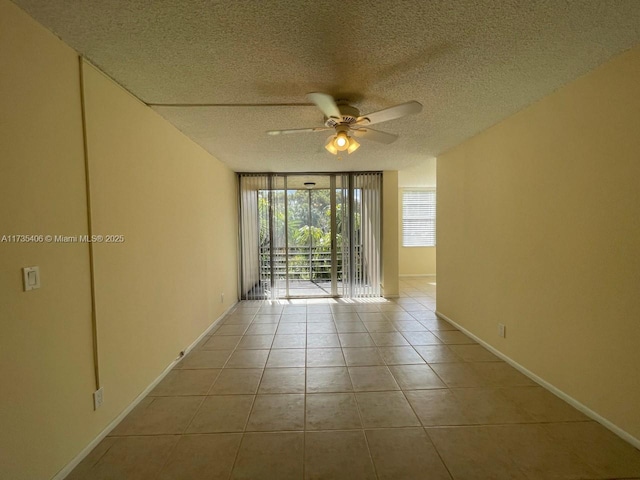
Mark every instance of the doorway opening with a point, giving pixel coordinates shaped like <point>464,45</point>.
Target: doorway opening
<point>310,235</point>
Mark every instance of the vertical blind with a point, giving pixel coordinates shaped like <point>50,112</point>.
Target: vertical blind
<point>366,234</point>
<point>419,218</point>
<point>252,278</point>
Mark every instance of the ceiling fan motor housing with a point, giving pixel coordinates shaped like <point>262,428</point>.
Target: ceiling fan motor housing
<point>348,115</point>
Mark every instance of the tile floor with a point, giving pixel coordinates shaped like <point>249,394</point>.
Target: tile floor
<point>321,389</point>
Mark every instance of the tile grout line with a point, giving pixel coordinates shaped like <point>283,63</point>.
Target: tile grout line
<point>170,452</point>
<point>435,447</point>
<point>304,418</point>
<point>402,390</point>
<point>210,388</point>
<point>255,396</point>
<point>364,434</point>
<point>355,398</point>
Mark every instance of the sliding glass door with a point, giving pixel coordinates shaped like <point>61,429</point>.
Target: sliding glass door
<point>309,235</point>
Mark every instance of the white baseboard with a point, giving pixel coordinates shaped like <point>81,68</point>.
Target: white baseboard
<point>403,275</point>
<point>553,389</point>
<point>205,333</point>
<point>66,470</point>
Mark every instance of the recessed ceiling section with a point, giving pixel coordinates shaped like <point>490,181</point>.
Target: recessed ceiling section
<point>469,63</point>
<point>253,151</point>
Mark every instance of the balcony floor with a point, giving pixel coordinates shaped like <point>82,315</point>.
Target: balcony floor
<point>297,288</point>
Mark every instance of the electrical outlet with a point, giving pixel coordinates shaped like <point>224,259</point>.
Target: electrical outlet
<point>502,330</point>
<point>98,398</point>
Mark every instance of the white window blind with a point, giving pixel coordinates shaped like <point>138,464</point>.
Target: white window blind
<point>418,218</point>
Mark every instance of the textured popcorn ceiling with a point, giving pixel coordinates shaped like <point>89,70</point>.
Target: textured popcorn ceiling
<point>470,63</point>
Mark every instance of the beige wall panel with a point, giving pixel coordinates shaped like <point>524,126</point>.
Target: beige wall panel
<point>539,229</point>
<point>46,363</point>
<point>176,208</point>
<point>390,281</point>
<point>416,260</point>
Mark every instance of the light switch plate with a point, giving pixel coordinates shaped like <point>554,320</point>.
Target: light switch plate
<point>31,278</point>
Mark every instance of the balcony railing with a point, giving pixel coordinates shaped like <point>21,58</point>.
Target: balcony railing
<point>296,268</point>
<point>305,263</point>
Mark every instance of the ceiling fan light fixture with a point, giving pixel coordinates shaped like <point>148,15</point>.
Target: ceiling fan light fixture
<point>330,147</point>
<point>353,145</point>
<point>341,141</point>
<point>346,119</point>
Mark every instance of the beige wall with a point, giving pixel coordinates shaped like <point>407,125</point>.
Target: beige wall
<point>539,229</point>
<point>390,280</point>
<point>155,293</point>
<point>422,174</point>
<point>46,360</point>
<point>175,205</point>
<point>416,260</point>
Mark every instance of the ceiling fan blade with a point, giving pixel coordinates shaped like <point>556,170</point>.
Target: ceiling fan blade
<point>298,130</point>
<point>390,113</point>
<point>375,135</point>
<point>325,103</point>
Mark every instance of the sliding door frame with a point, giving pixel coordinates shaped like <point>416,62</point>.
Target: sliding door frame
<point>369,202</point>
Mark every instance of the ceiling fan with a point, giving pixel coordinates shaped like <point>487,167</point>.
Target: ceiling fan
<point>347,122</point>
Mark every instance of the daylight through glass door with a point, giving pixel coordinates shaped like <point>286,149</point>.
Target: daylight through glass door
<point>309,235</point>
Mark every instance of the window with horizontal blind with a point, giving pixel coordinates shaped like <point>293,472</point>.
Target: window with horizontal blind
<point>419,218</point>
